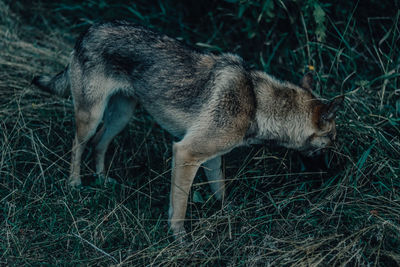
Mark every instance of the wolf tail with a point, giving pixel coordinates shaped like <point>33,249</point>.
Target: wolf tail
<point>58,85</point>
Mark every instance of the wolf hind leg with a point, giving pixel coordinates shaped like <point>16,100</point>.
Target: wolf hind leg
<point>116,116</point>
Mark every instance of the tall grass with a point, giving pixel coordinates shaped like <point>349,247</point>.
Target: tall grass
<point>278,212</point>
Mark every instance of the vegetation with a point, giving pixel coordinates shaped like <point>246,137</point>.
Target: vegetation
<point>278,211</point>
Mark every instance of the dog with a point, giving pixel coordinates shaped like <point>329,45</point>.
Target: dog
<point>211,103</point>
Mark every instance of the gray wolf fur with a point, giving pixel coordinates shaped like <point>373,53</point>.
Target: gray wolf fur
<point>212,103</point>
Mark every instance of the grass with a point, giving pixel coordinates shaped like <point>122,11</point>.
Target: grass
<point>280,212</point>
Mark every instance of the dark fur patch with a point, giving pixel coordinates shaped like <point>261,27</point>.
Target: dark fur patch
<point>190,85</point>
<point>228,107</point>
<point>36,81</point>
<point>79,48</point>
<point>49,85</point>
<point>286,98</point>
<point>237,102</point>
<point>120,63</point>
<point>317,110</point>
<point>39,84</point>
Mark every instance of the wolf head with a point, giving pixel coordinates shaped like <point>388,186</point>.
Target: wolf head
<point>323,127</point>
<point>293,117</point>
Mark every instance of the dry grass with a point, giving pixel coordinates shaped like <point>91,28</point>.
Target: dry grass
<point>278,214</point>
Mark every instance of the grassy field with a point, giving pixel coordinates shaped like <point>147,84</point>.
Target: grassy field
<point>281,210</point>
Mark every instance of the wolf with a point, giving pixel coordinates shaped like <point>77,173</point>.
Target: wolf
<point>210,103</point>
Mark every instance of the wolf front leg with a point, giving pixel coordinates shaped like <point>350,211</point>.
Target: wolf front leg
<point>215,175</point>
<point>188,155</point>
<point>184,167</point>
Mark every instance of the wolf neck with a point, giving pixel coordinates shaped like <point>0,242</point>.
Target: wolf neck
<point>279,114</point>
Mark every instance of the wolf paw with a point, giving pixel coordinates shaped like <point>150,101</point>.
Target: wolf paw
<point>181,238</point>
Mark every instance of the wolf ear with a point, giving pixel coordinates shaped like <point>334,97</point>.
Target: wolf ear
<point>329,111</point>
<point>307,81</point>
